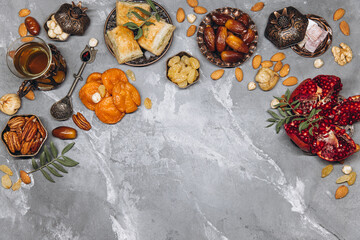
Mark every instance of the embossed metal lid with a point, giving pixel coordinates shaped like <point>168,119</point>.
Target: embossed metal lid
<point>286,27</point>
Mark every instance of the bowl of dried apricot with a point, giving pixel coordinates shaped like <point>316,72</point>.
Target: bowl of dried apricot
<point>183,69</point>
<point>24,135</point>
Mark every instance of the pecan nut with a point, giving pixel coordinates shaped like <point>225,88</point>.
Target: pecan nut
<point>15,140</point>
<point>9,142</point>
<point>81,121</point>
<point>25,148</point>
<point>16,122</point>
<point>33,130</point>
<point>41,129</point>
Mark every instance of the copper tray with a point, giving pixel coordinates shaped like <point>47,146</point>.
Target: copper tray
<point>110,23</point>
<point>324,46</point>
<point>214,57</point>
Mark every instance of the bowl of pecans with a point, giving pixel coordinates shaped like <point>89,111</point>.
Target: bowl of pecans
<point>24,135</point>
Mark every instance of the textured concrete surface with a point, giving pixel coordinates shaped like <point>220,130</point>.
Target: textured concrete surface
<point>198,165</point>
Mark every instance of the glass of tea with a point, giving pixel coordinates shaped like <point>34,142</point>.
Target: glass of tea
<point>29,57</point>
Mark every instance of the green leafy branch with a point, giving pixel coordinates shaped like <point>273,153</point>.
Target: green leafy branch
<point>53,162</point>
<point>287,113</point>
<point>134,26</point>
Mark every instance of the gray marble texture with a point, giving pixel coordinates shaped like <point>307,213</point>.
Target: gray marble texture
<point>199,165</point>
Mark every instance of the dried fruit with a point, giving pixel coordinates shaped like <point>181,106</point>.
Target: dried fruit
<point>221,35</point>
<point>290,81</point>
<point>209,38</point>
<point>338,14</point>
<point>32,26</point>
<point>30,95</point>
<point>16,186</point>
<point>191,31</point>
<point>24,12</point>
<point>237,44</point>
<point>257,7</point>
<point>267,64</point>
<point>200,10</point>
<point>341,192</point>
<point>342,55</point>
<point>10,103</point>
<point>251,86</point>
<point>25,178</point>
<point>256,61</point>
<point>230,56</point>
<point>267,78</point>
<point>239,74</point>
<point>327,170</point>
<point>344,27</point>
<point>131,75</point>
<point>64,133</point>
<point>284,70</point>
<point>6,170</point>
<point>236,27</point>
<point>102,91</point>
<point>81,121</point>
<point>192,3</point>
<point>216,75</point>
<point>278,66</point>
<point>352,178</point>
<point>343,178</point>
<point>220,19</point>
<point>22,30</point>
<point>318,63</point>
<point>180,15</point>
<point>147,103</point>
<point>278,57</point>
<point>346,169</point>
<point>249,36</point>
<point>6,181</point>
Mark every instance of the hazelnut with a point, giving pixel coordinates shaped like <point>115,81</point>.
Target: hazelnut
<point>318,63</point>
<point>191,18</point>
<point>251,86</point>
<point>346,169</point>
<point>93,42</point>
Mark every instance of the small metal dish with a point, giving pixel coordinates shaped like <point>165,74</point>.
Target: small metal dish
<point>47,29</point>
<point>323,47</point>
<point>17,154</point>
<point>180,54</point>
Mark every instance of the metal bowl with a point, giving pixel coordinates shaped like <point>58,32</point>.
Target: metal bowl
<point>214,57</point>
<point>180,54</point>
<point>18,154</point>
<point>47,29</point>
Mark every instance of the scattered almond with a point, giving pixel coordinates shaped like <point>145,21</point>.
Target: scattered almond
<point>352,178</point>
<point>239,74</point>
<point>339,14</point>
<point>217,74</point>
<point>25,177</point>
<point>290,81</point>
<point>284,70</point>
<point>200,10</point>
<point>22,30</point>
<point>30,95</point>
<point>24,12</point>
<point>344,27</point>
<point>16,185</point>
<point>341,192</point>
<point>6,181</point>
<point>267,64</point>
<point>278,57</point>
<point>191,31</point>
<point>278,66</point>
<point>256,61</point>
<point>147,103</point>
<point>192,3</point>
<point>180,15</point>
<point>327,170</point>
<point>257,7</point>
<point>343,178</point>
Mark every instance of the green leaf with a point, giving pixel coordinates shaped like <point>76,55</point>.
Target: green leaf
<point>281,104</point>
<point>34,164</point>
<point>67,148</point>
<point>47,154</point>
<point>47,176</point>
<point>312,113</point>
<point>271,120</point>
<point>279,124</point>
<point>131,25</point>
<point>282,112</point>
<point>287,95</point>
<point>157,16</point>
<point>303,126</point>
<point>139,34</point>
<point>274,115</point>
<point>42,159</point>
<point>287,120</point>
<point>316,120</point>
<point>289,113</point>
<point>53,171</point>
<point>279,98</point>
<point>317,111</point>
<point>270,125</point>
<point>67,162</point>
<point>53,149</point>
<point>149,23</point>
<point>138,16</point>
<point>294,102</point>
<point>311,131</point>
<point>152,5</point>
<point>59,167</point>
<point>297,105</point>
<point>143,11</point>
<point>298,119</point>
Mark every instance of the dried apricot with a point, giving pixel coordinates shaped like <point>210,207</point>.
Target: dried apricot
<point>107,112</point>
<point>113,76</point>
<point>126,97</point>
<point>86,93</point>
<point>94,77</point>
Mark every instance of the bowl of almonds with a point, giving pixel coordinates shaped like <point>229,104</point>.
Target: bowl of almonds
<point>24,135</point>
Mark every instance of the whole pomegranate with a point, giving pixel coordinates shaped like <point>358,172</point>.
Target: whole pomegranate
<point>318,120</point>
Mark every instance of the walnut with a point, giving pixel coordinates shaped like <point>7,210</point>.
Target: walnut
<point>342,55</point>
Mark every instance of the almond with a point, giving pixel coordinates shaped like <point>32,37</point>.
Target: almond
<point>25,177</point>
<point>257,7</point>
<point>200,10</point>
<point>24,12</point>
<point>191,31</point>
<point>30,95</point>
<point>267,64</point>
<point>192,3</point>
<point>290,81</point>
<point>217,74</point>
<point>339,14</point>
<point>284,70</point>
<point>239,74</point>
<point>341,192</point>
<point>22,30</point>
<point>278,57</point>
<point>180,15</point>
<point>256,61</point>
<point>344,27</point>
<point>6,181</point>
<point>278,66</point>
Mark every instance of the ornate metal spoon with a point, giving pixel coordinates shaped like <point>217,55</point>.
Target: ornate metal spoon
<point>63,109</point>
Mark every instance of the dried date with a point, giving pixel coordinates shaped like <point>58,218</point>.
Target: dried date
<point>209,38</point>
<point>237,44</point>
<point>220,19</point>
<point>231,56</point>
<point>235,26</point>
<point>221,36</point>
<point>32,26</point>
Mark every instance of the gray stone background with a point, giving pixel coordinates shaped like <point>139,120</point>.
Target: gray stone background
<point>198,165</point>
